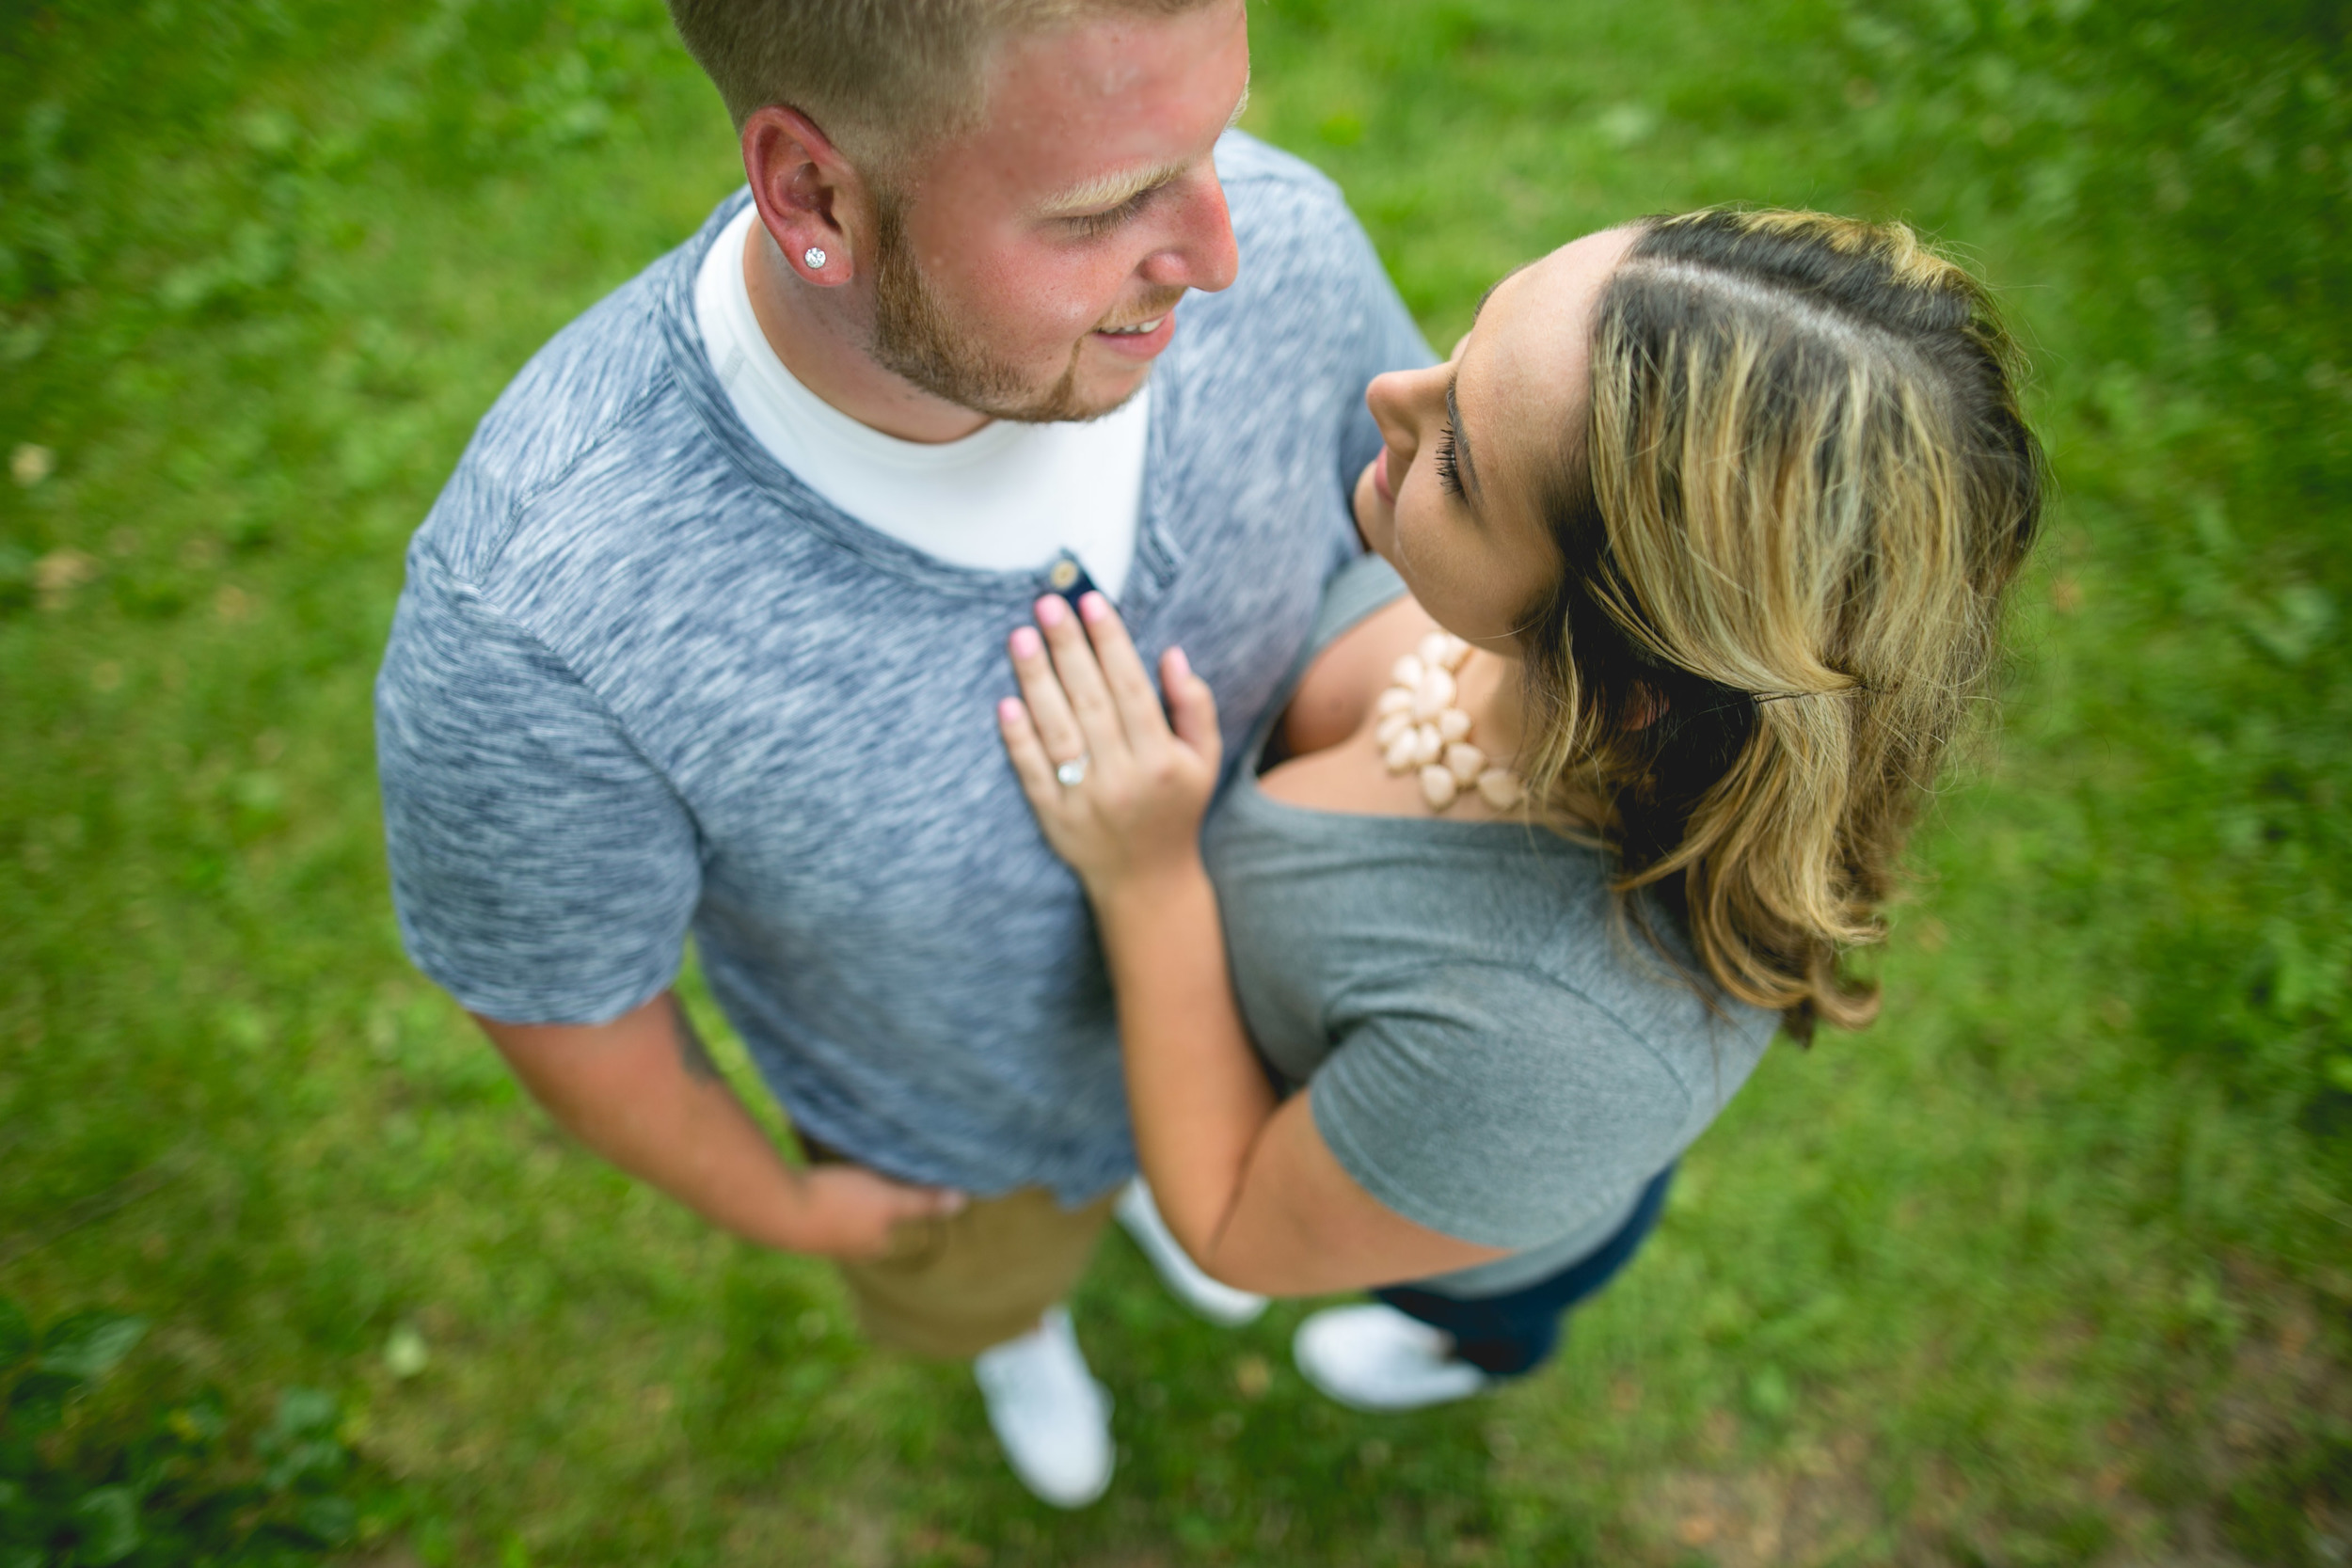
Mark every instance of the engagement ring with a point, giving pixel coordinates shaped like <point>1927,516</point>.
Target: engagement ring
<point>1074,772</point>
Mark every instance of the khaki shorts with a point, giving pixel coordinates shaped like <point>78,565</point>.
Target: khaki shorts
<point>951,1287</point>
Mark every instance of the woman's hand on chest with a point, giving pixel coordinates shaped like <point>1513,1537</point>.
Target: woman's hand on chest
<point>1119,784</point>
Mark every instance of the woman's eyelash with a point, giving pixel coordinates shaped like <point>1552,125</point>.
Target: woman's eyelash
<point>1449,469</point>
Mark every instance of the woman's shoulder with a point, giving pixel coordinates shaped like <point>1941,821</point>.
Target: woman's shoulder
<point>1531,956</point>
<point>1362,586</point>
<point>1507,1101</point>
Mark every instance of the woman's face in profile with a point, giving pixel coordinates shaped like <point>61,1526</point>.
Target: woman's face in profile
<point>1453,501</point>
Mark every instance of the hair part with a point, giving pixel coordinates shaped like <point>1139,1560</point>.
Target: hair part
<point>884,79</point>
<point>1786,526</point>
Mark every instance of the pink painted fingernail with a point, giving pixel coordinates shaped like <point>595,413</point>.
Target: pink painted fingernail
<point>1094,607</point>
<point>1178,664</point>
<point>1025,643</point>
<point>1009,711</point>
<point>1051,611</point>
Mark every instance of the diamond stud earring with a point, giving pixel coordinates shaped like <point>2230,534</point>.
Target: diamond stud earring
<point>814,257</point>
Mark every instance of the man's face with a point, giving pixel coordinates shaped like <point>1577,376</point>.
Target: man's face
<point>1014,269</point>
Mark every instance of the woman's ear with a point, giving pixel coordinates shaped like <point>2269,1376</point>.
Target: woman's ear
<point>1645,706</point>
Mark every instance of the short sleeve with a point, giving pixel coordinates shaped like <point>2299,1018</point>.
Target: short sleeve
<point>542,871</point>
<point>1495,1104</point>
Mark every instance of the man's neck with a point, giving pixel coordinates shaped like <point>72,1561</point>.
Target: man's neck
<point>824,348</point>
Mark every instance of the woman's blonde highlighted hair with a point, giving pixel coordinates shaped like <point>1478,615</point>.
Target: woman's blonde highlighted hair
<point>1803,490</point>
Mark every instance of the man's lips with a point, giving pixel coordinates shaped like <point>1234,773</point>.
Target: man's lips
<point>1153,336</point>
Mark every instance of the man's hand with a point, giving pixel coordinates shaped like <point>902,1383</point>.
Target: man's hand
<point>851,1211</point>
<point>643,1092</point>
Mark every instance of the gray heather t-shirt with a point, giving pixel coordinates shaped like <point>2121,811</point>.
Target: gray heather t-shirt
<point>644,681</point>
<point>1488,1056</point>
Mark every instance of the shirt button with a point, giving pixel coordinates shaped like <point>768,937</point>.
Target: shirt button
<point>1064,574</point>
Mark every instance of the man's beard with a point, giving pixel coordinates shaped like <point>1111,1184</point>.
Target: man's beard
<point>915,339</point>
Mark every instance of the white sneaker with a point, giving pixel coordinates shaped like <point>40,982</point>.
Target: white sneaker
<point>1214,1300</point>
<point>1376,1359</point>
<point>1051,1416</point>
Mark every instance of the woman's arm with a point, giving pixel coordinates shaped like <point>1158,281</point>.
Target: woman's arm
<point>1246,1182</point>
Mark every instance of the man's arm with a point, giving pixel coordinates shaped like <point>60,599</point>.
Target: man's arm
<point>542,869</point>
<point>643,1091</point>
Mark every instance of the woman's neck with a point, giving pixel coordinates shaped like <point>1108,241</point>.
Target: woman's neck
<point>1491,694</point>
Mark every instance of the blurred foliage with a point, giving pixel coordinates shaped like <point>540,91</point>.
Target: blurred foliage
<point>130,1477</point>
<point>2197,159</point>
<point>467,86</point>
<point>2050,1267</point>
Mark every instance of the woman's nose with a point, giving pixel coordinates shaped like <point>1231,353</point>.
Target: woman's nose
<point>1395,397</point>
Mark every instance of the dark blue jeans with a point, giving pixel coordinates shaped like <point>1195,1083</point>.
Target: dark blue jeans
<point>1511,1334</point>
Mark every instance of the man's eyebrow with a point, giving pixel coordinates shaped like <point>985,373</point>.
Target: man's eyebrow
<point>1461,437</point>
<point>1107,191</point>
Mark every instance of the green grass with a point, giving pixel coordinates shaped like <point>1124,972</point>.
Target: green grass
<point>2051,1266</point>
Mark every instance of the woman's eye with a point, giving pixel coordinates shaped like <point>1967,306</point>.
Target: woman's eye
<point>1449,470</point>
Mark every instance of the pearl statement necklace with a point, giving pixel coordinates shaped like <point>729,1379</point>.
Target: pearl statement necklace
<point>1421,727</point>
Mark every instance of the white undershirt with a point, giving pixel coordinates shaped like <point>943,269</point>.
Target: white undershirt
<point>1008,497</point>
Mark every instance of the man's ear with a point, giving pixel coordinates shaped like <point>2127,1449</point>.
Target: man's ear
<point>808,194</point>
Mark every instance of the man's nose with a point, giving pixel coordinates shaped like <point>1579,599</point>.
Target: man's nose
<point>1203,254</point>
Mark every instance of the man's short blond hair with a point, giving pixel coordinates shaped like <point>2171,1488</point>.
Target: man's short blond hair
<point>882,78</point>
